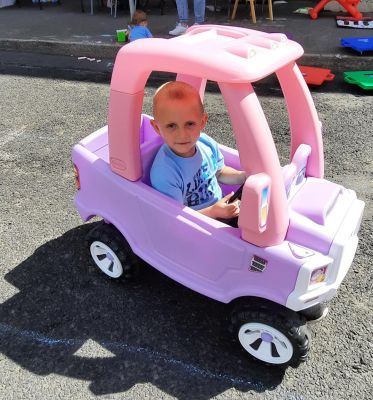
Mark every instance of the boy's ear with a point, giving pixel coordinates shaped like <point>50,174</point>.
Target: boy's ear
<point>204,120</point>
<point>155,126</point>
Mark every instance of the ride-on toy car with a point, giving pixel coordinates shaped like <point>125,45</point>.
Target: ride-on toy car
<point>297,233</point>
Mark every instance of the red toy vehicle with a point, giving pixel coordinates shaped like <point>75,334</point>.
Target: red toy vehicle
<point>349,5</point>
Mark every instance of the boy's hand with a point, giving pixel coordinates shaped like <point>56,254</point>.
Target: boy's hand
<point>222,209</point>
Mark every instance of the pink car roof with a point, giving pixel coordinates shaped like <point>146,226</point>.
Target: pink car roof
<point>219,53</point>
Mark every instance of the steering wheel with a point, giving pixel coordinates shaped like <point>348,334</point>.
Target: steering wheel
<point>237,194</point>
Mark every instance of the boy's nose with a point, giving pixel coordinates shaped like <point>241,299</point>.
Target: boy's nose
<point>183,133</point>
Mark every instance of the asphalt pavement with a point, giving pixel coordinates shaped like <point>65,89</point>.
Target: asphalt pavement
<point>68,332</point>
<point>61,40</point>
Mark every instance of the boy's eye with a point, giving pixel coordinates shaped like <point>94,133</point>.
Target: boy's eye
<point>170,126</point>
<point>191,123</point>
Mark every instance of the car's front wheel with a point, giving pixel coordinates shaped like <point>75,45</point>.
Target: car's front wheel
<point>111,253</point>
<point>271,333</point>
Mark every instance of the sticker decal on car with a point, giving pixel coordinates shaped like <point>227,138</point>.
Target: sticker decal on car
<point>258,264</point>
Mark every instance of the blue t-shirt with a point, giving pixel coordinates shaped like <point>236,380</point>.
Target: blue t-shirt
<point>189,180</point>
<point>139,32</point>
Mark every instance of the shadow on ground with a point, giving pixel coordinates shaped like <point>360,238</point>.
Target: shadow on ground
<point>157,331</point>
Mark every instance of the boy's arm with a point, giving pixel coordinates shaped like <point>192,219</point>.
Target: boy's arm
<point>231,176</point>
<point>164,179</point>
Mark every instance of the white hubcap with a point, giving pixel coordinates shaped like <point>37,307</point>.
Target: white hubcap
<point>106,259</point>
<point>265,343</point>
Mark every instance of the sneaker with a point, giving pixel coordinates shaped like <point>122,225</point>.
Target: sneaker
<point>179,29</point>
<point>315,313</point>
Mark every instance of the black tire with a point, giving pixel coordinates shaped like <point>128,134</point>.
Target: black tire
<point>315,313</point>
<point>263,321</point>
<point>126,264</point>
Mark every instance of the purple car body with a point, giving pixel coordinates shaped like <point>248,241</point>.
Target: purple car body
<point>297,233</point>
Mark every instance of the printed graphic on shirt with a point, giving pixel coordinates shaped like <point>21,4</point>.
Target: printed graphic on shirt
<point>202,187</point>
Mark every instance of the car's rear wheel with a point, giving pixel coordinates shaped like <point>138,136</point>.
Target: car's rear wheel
<point>111,253</point>
<point>271,334</point>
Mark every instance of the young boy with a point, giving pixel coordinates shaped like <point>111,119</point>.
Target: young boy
<point>189,164</point>
<point>139,26</point>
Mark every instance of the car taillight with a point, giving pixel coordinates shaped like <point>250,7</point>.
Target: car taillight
<point>77,179</point>
<point>318,275</point>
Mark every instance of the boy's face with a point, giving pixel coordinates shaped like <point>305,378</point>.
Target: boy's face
<point>179,122</point>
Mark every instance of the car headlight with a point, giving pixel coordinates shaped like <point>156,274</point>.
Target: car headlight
<point>76,177</point>
<point>318,275</point>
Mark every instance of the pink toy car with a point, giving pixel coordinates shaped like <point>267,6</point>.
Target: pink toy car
<point>297,232</point>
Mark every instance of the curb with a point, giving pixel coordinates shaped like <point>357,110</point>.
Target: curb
<point>77,49</point>
<point>67,51</point>
<point>339,62</point>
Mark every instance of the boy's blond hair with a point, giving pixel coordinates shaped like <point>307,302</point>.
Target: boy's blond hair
<point>176,90</point>
<point>138,17</point>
